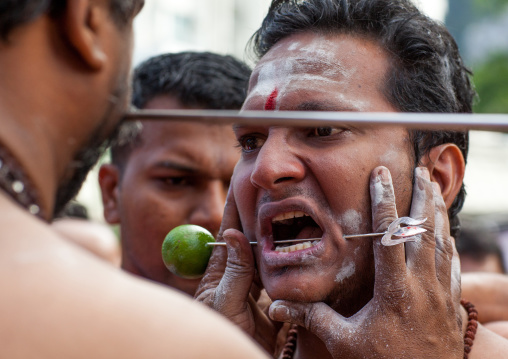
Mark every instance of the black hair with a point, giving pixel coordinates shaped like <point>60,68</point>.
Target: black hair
<point>426,71</point>
<point>479,240</point>
<point>201,79</point>
<point>74,209</point>
<point>197,79</point>
<point>14,13</point>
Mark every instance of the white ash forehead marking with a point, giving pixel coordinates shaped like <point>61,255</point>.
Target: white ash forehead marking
<point>294,45</point>
<point>347,270</point>
<point>278,73</point>
<point>281,75</point>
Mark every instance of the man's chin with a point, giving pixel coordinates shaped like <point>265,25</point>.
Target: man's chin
<point>346,297</point>
<point>297,290</point>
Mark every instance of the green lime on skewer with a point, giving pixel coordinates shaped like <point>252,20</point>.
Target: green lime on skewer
<point>185,252</point>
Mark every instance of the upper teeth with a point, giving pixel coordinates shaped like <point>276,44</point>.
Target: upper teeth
<point>288,215</point>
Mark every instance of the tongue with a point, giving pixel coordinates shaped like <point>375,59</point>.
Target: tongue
<point>310,232</point>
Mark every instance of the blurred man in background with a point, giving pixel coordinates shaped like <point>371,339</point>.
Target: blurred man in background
<point>479,248</point>
<point>173,173</point>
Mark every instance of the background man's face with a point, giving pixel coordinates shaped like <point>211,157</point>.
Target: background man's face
<point>179,174</point>
<point>320,172</point>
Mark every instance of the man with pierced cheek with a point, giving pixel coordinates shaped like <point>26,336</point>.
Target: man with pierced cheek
<point>355,297</point>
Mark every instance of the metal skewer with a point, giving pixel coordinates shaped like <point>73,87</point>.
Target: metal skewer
<point>404,233</point>
<point>306,239</point>
<point>449,121</point>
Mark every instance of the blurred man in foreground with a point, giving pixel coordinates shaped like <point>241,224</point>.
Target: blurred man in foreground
<point>63,89</point>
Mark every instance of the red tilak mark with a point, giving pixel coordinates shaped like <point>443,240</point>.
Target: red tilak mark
<point>271,101</point>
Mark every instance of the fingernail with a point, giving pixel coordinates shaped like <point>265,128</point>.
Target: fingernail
<point>384,175</point>
<point>232,244</point>
<point>279,312</point>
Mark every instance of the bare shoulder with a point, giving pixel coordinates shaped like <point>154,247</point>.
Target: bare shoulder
<point>93,236</point>
<point>499,327</point>
<point>64,302</point>
<point>488,344</point>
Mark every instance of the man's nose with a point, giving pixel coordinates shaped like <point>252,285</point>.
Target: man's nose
<point>277,163</point>
<point>209,207</point>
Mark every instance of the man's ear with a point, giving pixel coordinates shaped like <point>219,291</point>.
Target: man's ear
<point>82,22</point>
<point>109,181</point>
<point>446,166</point>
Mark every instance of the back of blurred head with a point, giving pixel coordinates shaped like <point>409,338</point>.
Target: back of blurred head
<point>479,248</point>
<point>62,70</point>
<point>173,173</point>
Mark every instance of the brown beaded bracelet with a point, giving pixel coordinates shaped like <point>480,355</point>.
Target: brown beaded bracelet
<point>472,326</point>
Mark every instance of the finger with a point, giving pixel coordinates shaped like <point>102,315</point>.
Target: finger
<point>231,218</point>
<point>389,260</point>
<point>444,244</point>
<point>266,329</point>
<point>233,290</point>
<point>218,260</point>
<point>318,318</point>
<point>420,254</point>
<point>455,276</point>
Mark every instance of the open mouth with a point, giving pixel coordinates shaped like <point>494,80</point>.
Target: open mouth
<point>295,225</point>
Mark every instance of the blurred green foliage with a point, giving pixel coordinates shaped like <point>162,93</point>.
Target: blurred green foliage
<point>491,81</point>
<point>485,7</point>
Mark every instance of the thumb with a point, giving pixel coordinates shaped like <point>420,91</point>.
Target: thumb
<point>318,318</point>
<point>234,288</point>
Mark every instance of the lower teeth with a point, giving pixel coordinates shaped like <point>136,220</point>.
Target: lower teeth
<point>296,247</point>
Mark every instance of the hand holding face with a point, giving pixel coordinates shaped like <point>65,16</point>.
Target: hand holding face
<point>415,310</point>
<point>228,285</point>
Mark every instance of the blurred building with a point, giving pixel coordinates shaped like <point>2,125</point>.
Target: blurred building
<point>222,26</point>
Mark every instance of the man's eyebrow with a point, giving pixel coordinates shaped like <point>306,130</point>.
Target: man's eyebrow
<point>321,106</point>
<point>175,166</point>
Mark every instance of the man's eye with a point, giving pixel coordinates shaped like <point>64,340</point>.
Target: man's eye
<point>325,131</point>
<point>176,181</point>
<point>250,143</point>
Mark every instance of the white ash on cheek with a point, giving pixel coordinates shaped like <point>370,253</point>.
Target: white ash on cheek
<point>392,155</point>
<point>351,221</point>
<point>346,271</point>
